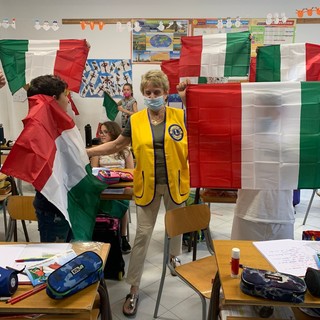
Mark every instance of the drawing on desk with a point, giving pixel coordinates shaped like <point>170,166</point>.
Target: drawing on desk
<point>290,256</point>
<point>38,273</point>
<point>11,252</point>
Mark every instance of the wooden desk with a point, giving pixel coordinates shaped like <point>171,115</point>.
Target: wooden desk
<point>252,257</point>
<point>81,305</point>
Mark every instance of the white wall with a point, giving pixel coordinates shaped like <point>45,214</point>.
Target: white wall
<point>110,44</point>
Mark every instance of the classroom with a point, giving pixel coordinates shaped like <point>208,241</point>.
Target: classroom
<point>111,30</point>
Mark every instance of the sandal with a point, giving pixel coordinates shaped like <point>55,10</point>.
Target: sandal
<point>131,304</point>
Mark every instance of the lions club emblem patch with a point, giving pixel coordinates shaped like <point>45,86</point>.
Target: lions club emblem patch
<point>175,132</point>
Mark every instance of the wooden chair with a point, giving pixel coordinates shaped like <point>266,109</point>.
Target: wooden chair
<point>19,208</point>
<point>197,274</point>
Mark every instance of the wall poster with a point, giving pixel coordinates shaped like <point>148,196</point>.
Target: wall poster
<point>201,27</point>
<point>105,75</point>
<point>157,40</point>
<point>268,34</point>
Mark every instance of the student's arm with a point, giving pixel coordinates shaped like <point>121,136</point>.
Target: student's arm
<point>94,161</point>
<point>134,108</point>
<point>110,147</point>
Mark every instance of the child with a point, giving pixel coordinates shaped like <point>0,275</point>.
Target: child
<point>109,131</point>
<point>127,105</point>
<point>52,224</point>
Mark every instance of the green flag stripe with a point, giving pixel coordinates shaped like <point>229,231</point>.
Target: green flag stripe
<point>12,55</point>
<point>268,64</point>
<point>110,106</point>
<point>83,205</point>
<point>237,58</point>
<point>309,173</point>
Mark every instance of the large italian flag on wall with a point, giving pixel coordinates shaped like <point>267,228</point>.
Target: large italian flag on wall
<point>288,62</point>
<point>50,154</point>
<point>215,55</point>
<point>254,135</point>
<point>24,60</point>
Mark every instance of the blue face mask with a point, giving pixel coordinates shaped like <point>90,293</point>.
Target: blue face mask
<point>154,104</point>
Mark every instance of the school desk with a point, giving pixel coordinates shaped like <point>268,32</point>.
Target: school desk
<point>232,295</point>
<point>82,305</point>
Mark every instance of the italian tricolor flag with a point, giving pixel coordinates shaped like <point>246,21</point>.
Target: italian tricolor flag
<point>288,62</point>
<point>215,55</point>
<point>24,60</point>
<point>50,154</point>
<point>254,135</point>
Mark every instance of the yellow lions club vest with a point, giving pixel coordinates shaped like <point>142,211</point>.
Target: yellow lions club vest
<point>176,154</point>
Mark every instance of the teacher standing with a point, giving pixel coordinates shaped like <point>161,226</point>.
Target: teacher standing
<point>159,141</point>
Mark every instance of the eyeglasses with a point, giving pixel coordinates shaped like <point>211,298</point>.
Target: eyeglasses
<point>103,132</point>
<point>66,92</point>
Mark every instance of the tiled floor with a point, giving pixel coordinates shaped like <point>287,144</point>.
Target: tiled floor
<point>178,301</point>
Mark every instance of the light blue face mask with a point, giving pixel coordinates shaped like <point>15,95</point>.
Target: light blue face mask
<point>154,104</point>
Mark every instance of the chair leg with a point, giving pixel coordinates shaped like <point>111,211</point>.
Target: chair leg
<point>309,206</point>
<point>10,230</point>
<point>163,275</point>
<point>25,230</point>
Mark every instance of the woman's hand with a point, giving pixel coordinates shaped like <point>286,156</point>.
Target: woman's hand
<point>182,88</point>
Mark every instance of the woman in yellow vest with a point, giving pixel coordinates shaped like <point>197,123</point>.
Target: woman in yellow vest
<point>159,140</point>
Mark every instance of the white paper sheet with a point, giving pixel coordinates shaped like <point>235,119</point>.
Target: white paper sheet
<point>290,256</point>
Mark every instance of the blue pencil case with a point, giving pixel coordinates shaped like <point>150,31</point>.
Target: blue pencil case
<point>75,275</point>
<point>272,285</point>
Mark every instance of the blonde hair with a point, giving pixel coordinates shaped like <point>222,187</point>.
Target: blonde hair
<point>155,77</point>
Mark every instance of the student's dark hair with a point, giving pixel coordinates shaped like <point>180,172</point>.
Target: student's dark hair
<point>49,85</point>
<point>114,131</point>
<point>127,84</point>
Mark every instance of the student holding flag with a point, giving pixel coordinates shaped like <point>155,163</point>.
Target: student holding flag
<point>159,141</point>
<point>53,226</point>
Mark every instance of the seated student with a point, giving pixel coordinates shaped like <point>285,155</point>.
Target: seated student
<point>109,131</point>
<point>52,224</point>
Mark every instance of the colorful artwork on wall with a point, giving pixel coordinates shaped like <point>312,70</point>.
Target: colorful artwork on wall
<point>157,40</point>
<point>105,75</point>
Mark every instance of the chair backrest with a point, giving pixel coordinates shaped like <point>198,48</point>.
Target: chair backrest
<point>187,219</point>
<point>21,208</point>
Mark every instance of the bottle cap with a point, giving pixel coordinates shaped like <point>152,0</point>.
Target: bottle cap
<point>235,254</point>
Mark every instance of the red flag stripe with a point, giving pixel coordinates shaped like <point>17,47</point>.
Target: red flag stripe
<point>312,62</point>
<point>210,115</point>
<point>171,69</point>
<point>190,56</point>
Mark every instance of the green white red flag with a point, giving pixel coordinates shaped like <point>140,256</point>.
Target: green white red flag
<point>24,60</point>
<point>50,154</point>
<point>254,135</point>
<point>288,62</point>
<point>215,55</point>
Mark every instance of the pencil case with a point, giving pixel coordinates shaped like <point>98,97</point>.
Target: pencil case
<point>8,282</point>
<point>75,275</point>
<point>108,176</point>
<point>272,285</point>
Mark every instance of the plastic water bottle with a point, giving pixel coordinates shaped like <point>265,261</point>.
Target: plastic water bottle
<point>88,135</point>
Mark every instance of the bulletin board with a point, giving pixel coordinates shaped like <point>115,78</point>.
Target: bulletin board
<point>157,40</point>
